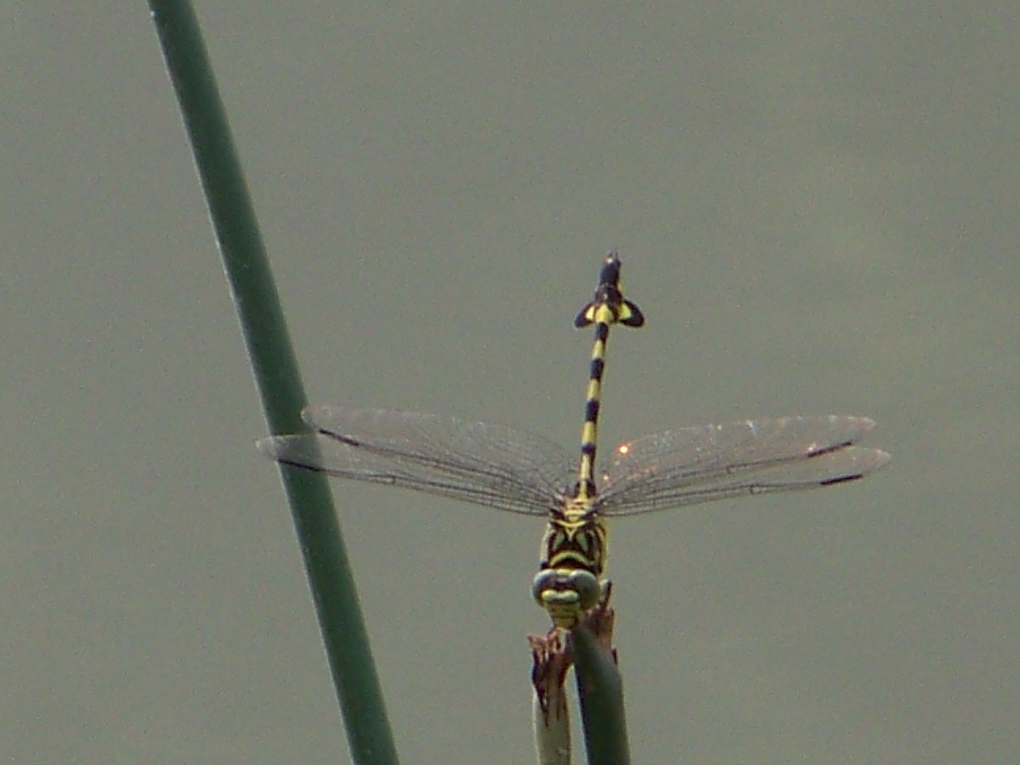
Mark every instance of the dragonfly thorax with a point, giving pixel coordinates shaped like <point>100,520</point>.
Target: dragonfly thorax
<point>575,538</point>
<point>573,556</point>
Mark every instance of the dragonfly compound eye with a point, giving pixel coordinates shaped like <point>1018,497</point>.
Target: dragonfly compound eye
<point>560,588</point>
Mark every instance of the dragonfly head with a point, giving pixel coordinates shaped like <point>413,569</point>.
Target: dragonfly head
<point>566,594</point>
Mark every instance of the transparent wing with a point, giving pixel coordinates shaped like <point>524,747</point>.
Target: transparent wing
<point>476,462</point>
<point>693,465</point>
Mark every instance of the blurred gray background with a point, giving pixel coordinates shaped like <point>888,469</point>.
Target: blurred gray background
<point>817,209</point>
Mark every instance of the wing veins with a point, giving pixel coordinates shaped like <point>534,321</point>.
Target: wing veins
<point>478,463</point>
<point>771,456</point>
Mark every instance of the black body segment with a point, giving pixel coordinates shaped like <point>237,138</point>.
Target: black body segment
<point>608,293</point>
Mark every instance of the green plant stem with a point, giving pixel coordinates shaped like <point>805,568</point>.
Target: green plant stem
<point>277,379</point>
<point>600,691</point>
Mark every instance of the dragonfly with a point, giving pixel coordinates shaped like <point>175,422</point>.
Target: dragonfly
<point>513,470</point>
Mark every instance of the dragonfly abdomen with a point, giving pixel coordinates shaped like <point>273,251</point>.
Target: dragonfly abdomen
<point>606,308</point>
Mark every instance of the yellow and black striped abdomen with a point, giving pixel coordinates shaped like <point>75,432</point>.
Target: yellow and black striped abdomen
<point>608,307</point>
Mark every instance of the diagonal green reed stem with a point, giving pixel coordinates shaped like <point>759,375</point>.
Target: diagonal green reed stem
<point>277,379</point>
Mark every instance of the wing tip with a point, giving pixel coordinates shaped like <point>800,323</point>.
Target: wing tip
<point>273,448</point>
<point>267,446</point>
<point>313,414</point>
<point>879,459</point>
<point>866,462</point>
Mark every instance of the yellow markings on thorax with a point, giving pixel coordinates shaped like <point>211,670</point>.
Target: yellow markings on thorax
<point>575,539</point>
